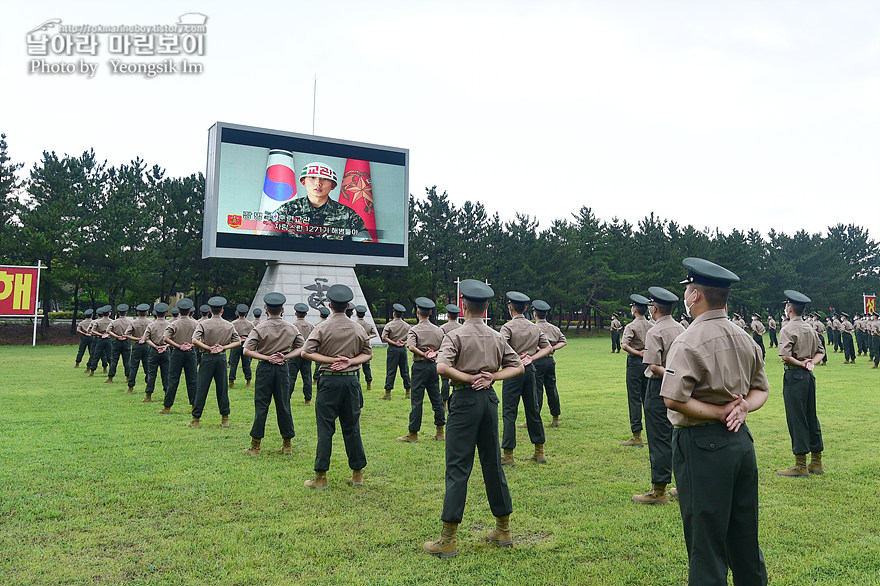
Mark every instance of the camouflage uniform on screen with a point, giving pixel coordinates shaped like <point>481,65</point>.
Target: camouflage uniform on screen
<point>332,221</point>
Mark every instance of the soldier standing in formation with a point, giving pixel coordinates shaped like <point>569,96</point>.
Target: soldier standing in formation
<point>340,346</point>
<point>471,357</point>
<point>846,339</point>
<point>658,340</point>
<point>120,346</point>
<point>139,349</point>
<point>684,321</point>
<point>257,313</point>
<point>545,368</point>
<point>98,332</point>
<point>159,353</point>
<point>615,333</point>
<point>530,343</point>
<point>243,326</point>
<point>394,334</point>
<point>875,340</point>
<point>273,342</point>
<point>819,326</point>
<point>371,333</point>
<point>175,313</point>
<point>299,366</point>
<point>452,312</point>
<point>214,336</point>
<point>714,378</point>
<point>758,330</point>
<point>835,331</point>
<point>771,329</point>
<point>85,340</point>
<point>179,334</point>
<point>423,340</point>
<point>636,384</point>
<point>800,349</point>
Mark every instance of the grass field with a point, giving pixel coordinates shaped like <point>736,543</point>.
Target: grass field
<point>96,488</point>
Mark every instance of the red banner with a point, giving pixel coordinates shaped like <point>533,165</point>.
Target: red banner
<point>870,303</point>
<point>18,290</point>
<point>356,192</point>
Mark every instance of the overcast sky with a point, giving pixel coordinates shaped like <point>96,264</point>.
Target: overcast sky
<point>741,114</point>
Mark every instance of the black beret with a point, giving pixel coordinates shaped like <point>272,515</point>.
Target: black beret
<point>450,308</point>
<point>704,272</point>
<point>661,295</point>
<point>541,305</point>
<point>425,303</point>
<point>301,308</point>
<point>474,290</point>
<point>339,294</point>
<point>273,299</point>
<point>517,297</point>
<point>792,296</point>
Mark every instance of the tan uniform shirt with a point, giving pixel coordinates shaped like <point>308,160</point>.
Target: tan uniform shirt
<point>305,327</point>
<point>257,321</point>
<point>846,326</point>
<point>83,327</point>
<point>118,326</point>
<point>243,326</point>
<point>215,331</point>
<point>799,340</point>
<point>424,336</point>
<point>634,333</point>
<point>554,334</point>
<point>274,335</point>
<point>368,327</point>
<point>475,347</point>
<point>99,326</point>
<point>181,330</point>
<point>339,336</point>
<point>835,325</point>
<point>449,326</point>
<point>771,324</point>
<point>524,336</point>
<point>758,327</point>
<point>684,322</point>
<point>819,326</point>
<point>658,340</point>
<point>395,330</point>
<point>711,361</point>
<point>137,327</point>
<point>615,324</point>
<point>155,332</point>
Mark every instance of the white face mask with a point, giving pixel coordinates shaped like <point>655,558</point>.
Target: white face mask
<point>687,308</point>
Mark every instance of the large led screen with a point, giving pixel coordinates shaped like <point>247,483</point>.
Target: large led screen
<point>304,199</point>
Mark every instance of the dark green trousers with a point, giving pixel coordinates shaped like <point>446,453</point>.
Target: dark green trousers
<point>212,368</point>
<point>473,424</point>
<point>717,478</point>
<point>236,356</point>
<point>875,343</point>
<point>339,397</point>
<point>512,390</point>
<point>140,355</point>
<point>273,382</point>
<point>158,362</point>
<point>773,341</point>
<point>119,349</point>
<point>396,360</point>
<point>368,371</point>
<point>799,396</point>
<point>659,431</point>
<point>846,340</point>
<point>425,378</point>
<point>615,340</point>
<point>636,386</point>
<point>759,340</point>
<point>545,382</point>
<point>100,351</point>
<point>300,366</point>
<point>185,362</point>
<point>84,344</point>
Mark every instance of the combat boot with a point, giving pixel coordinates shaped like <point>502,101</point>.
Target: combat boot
<point>673,492</point>
<point>231,384</point>
<point>635,440</point>
<point>76,365</point>
<point>501,533</point>
<point>370,386</point>
<point>308,402</point>
<point>357,478</point>
<point>165,411</point>
<point>247,384</point>
<point>407,394</point>
<point>286,448</point>
<point>798,470</point>
<point>655,496</point>
<point>815,466</point>
<point>109,379</point>
<point>411,437</point>
<point>224,421</point>
<point>386,396</point>
<point>105,370</point>
<point>445,546</point>
<point>148,398</point>
<point>507,458</point>
<point>194,423</point>
<point>319,482</point>
<point>130,391</point>
<point>441,434</point>
<point>538,456</point>
<point>91,372</point>
<point>254,450</point>
<point>555,422</point>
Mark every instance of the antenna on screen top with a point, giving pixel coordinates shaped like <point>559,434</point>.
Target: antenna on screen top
<point>314,101</point>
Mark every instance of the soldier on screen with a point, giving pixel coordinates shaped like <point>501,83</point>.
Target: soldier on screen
<point>317,215</point>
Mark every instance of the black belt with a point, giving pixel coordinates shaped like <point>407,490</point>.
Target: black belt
<point>346,373</point>
<point>792,367</point>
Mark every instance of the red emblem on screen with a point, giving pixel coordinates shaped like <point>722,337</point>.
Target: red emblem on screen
<point>233,220</point>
